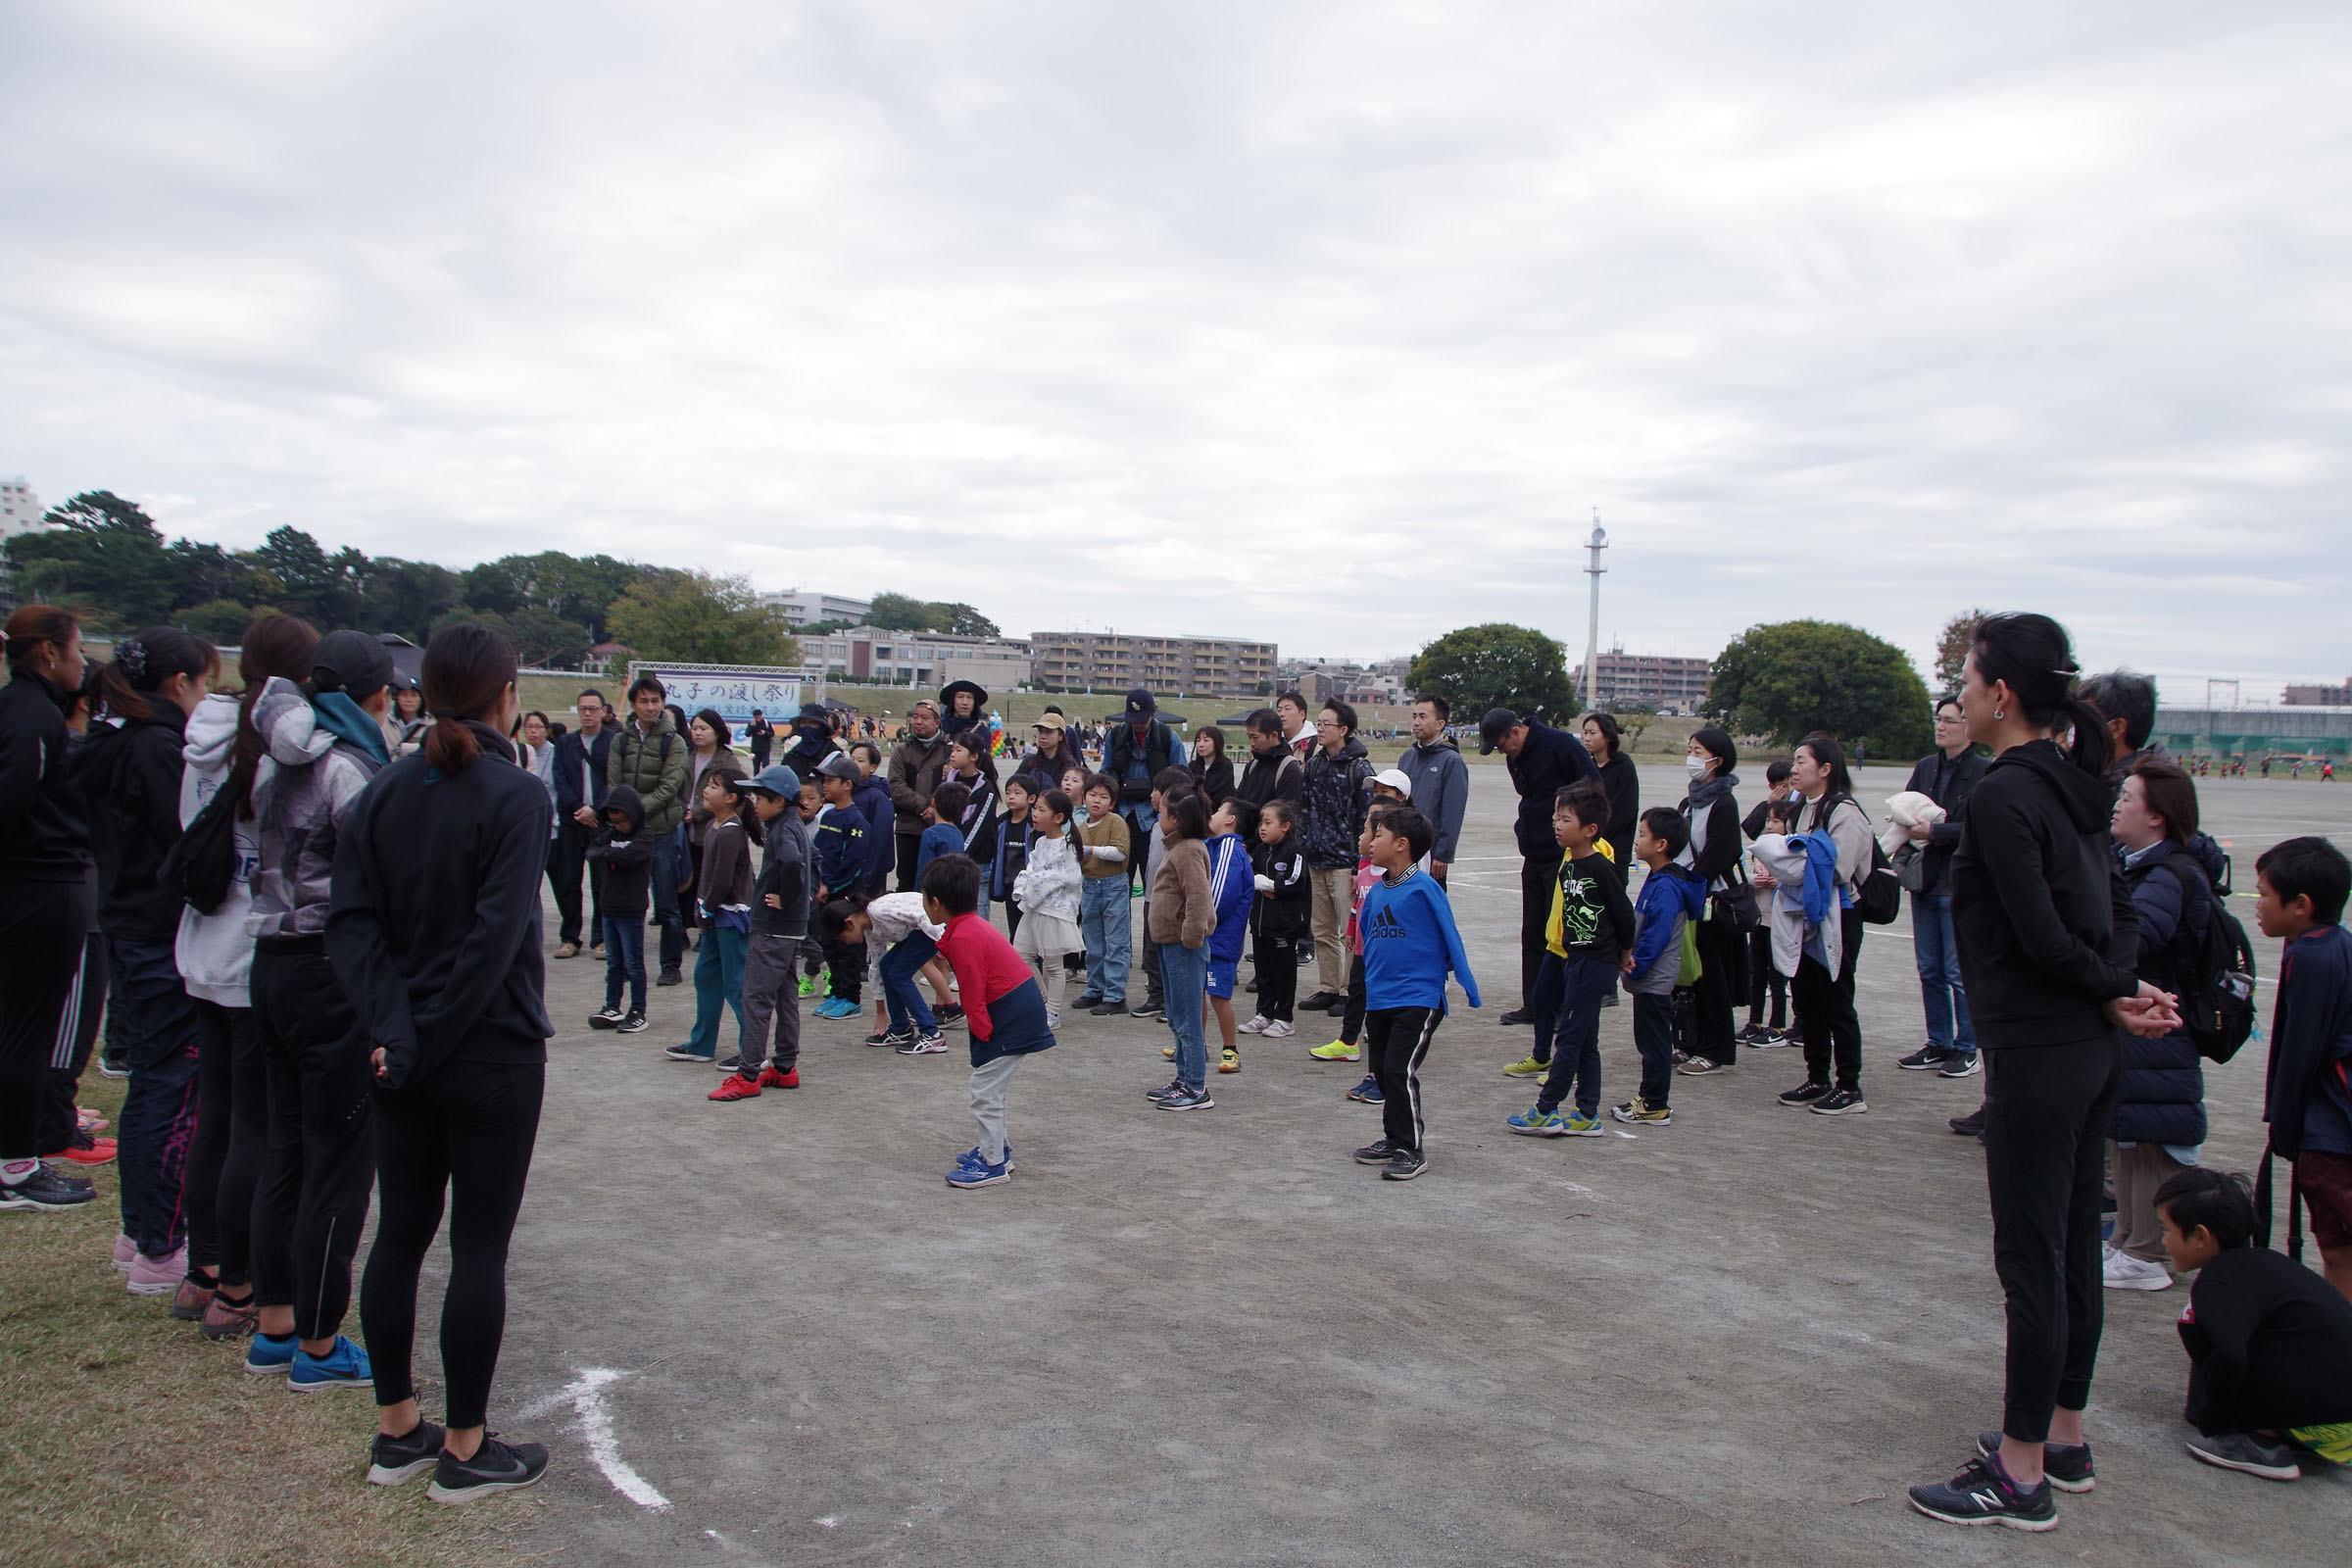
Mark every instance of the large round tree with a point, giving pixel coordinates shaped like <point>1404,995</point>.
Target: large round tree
<point>1495,665</point>
<point>1785,680</point>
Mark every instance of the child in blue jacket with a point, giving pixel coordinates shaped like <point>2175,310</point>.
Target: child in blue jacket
<point>1410,945</point>
<point>1231,892</point>
<point>1671,896</point>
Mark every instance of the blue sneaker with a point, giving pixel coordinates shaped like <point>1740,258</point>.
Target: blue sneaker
<point>267,1357</point>
<point>1368,1092</point>
<point>837,1007</point>
<point>978,1174</point>
<point>971,1157</point>
<point>1537,1122</point>
<point>345,1366</point>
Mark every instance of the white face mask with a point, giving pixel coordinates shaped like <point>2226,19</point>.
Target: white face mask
<point>1698,766</point>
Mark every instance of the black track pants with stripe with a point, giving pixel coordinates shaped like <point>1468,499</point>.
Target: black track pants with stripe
<point>1396,1040</point>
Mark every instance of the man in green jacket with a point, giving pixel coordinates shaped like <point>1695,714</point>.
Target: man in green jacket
<point>649,757</point>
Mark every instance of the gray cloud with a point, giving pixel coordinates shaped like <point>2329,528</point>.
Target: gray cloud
<point>1322,322</point>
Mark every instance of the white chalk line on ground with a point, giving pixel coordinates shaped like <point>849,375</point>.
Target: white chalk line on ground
<point>585,1395</point>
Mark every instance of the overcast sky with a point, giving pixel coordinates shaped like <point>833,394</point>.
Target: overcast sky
<point>1330,323</point>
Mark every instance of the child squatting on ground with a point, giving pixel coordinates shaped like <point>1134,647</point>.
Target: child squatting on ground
<point>1004,1009</point>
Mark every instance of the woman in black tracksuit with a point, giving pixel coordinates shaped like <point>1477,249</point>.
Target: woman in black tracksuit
<point>1714,853</point>
<point>47,893</point>
<point>434,925</point>
<point>2047,941</point>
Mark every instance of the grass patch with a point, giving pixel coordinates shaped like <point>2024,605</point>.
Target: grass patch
<point>127,1438</point>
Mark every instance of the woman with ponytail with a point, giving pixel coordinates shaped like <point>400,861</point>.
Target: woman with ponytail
<point>132,775</point>
<point>2047,944</point>
<point>215,954</point>
<point>435,930</point>
<point>47,895</point>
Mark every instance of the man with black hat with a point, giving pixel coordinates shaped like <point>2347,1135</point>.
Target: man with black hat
<point>1133,757</point>
<point>812,740</point>
<point>1543,762</point>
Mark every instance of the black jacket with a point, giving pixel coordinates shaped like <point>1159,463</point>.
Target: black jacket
<point>44,818</point>
<point>1216,780</point>
<point>2046,932</point>
<point>2162,1098</point>
<point>1159,745</point>
<point>1623,781</point>
<point>2270,1344</point>
<point>1333,800</point>
<point>572,751</point>
<point>785,869</point>
<point>628,858</point>
<point>1286,912</point>
<point>810,746</point>
<point>434,923</point>
<point>1550,762</point>
<point>1275,776</point>
<point>1950,784</point>
<point>131,777</point>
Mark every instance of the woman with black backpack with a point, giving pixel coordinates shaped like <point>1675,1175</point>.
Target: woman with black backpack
<point>1823,998</point>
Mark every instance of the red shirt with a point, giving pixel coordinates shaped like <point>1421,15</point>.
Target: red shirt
<point>986,968</point>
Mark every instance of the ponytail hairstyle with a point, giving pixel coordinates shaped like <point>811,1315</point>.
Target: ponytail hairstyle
<point>278,646</point>
<point>736,785</point>
<point>33,625</point>
<point>1612,734</point>
<point>1060,804</point>
<point>1185,814</point>
<point>833,915</point>
<point>468,668</point>
<point>1831,756</point>
<point>2034,655</point>
<point>145,661</point>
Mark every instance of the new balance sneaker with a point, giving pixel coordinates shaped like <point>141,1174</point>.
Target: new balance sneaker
<point>45,1188</point>
<point>496,1466</point>
<point>343,1366</point>
<point>1188,1100</point>
<point>2066,1464</point>
<point>1376,1153</point>
<point>1983,1495</point>
<point>601,1018</point>
<point>1337,1050</point>
<point>979,1173</point>
<point>224,1320</point>
<point>1841,1102</point>
<point>1804,1094</point>
<point>2124,1272</point>
<point>153,1276</point>
<point>1174,1086</point>
<point>394,1460</point>
<point>1280,1029</point>
<point>1642,1111</point>
<point>1229,1061</point>
<point>1256,1026</point>
<point>1368,1092</point>
<point>1927,1058</point>
<point>1960,1064</point>
<point>268,1355</point>
<point>735,1086</point>
<point>1088,1001</point>
<point>633,1024</point>
<point>689,1054</point>
<point>789,1078</point>
<point>1403,1166</point>
<point>1527,1068</point>
<point>1699,1067</point>
<point>2243,1451</point>
<point>930,1044</point>
<point>1537,1122</point>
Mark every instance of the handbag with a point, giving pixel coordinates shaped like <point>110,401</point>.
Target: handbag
<point>1911,867</point>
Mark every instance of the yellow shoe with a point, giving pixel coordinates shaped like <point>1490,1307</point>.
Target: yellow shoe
<point>1231,1062</point>
<point>1168,1051</point>
<point>1337,1050</point>
<point>1529,1068</point>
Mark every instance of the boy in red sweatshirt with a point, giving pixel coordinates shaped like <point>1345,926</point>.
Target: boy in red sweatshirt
<point>1004,1009</point>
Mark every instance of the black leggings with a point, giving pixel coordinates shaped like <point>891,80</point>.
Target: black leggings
<point>1825,1010</point>
<point>232,1119</point>
<point>1722,958</point>
<point>1764,980</point>
<point>1277,978</point>
<point>2047,1114</point>
<point>319,1159</point>
<point>466,1128</point>
<point>44,927</point>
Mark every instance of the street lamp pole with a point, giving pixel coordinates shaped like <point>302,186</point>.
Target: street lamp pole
<point>1597,544</point>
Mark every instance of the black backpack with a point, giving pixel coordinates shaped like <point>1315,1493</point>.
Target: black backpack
<point>2217,987</point>
<point>1879,893</point>
<point>202,861</point>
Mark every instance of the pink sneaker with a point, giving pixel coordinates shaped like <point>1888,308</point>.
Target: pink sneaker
<point>126,1253</point>
<point>157,1275</point>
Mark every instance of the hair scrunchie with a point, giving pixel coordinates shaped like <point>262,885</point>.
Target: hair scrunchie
<point>132,654</point>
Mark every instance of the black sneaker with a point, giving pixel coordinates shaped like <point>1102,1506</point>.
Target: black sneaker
<point>606,1018</point>
<point>669,977</point>
<point>951,1013</point>
<point>393,1460</point>
<point>1087,1002</point>
<point>1252,988</point>
<point>1982,1495</point>
<point>1148,1012</point>
<point>1971,1125</point>
<point>1403,1166</point>
<point>1516,1016</point>
<point>1959,1064</point>
<point>1113,1008</point>
<point>1927,1058</point>
<point>495,1467</point>
<point>1375,1154</point>
<point>1321,1001</point>
<point>1805,1094</point>
<point>732,1063</point>
<point>2243,1451</point>
<point>1338,1008</point>
<point>44,1189</point>
<point>111,1065</point>
<point>2067,1464</point>
<point>633,1024</point>
<point>1841,1102</point>
<point>1750,1034</point>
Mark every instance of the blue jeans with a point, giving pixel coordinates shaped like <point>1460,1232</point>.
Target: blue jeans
<point>666,852</point>
<point>1185,973</point>
<point>1941,994</point>
<point>158,1036</point>
<point>1576,1040</point>
<point>625,959</point>
<point>1107,922</point>
<point>717,983</point>
<point>1653,1037</point>
<point>899,994</point>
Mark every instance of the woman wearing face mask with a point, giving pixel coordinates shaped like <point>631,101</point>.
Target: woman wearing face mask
<point>1715,852</point>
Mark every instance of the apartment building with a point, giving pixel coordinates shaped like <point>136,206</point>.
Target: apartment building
<point>805,606</point>
<point>1669,684</point>
<point>1103,660</point>
<point>924,659</point>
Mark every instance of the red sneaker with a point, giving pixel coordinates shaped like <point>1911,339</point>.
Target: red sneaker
<point>735,1086</point>
<point>98,1152</point>
<point>770,1078</point>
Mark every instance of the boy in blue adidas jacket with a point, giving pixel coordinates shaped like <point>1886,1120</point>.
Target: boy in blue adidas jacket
<point>1232,893</point>
<point>1410,945</point>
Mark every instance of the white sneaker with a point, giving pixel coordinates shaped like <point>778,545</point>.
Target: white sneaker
<point>2124,1272</point>
<point>1256,1025</point>
<point>1280,1029</point>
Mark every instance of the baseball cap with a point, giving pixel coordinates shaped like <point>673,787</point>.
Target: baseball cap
<point>352,662</point>
<point>777,780</point>
<point>1050,722</point>
<point>1492,728</point>
<point>1141,704</point>
<point>1394,778</point>
<point>840,764</point>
